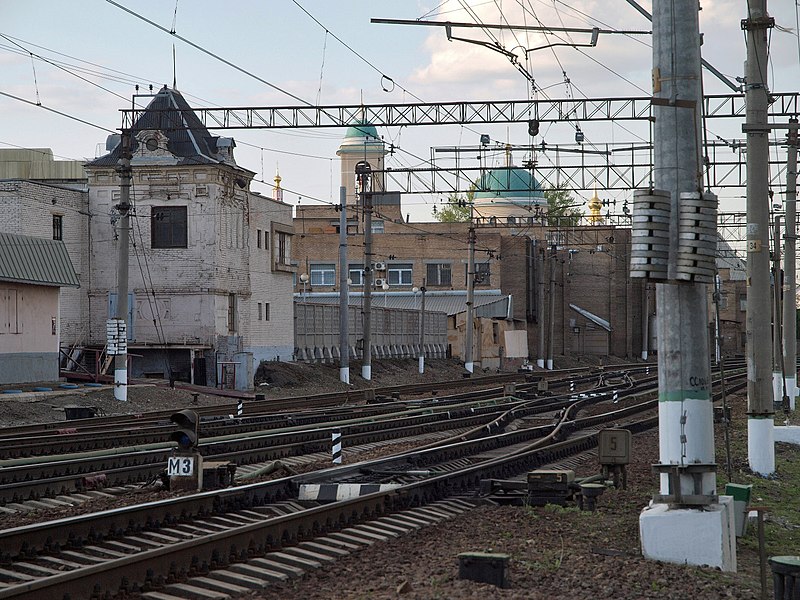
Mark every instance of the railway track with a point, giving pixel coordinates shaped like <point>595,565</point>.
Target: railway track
<point>221,536</point>
<point>246,441</point>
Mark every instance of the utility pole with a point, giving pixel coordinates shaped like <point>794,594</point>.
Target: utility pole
<point>364,174</point>
<point>687,508</point>
<point>121,357</point>
<point>760,426</point>
<point>422,329</point>
<point>552,305</point>
<point>468,359</point>
<point>540,304</point>
<point>645,320</point>
<point>790,285</point>
<point>778,382</point>
<point>344,316</point>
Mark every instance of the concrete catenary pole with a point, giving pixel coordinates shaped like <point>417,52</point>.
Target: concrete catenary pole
<point>551,321</point>
<point>364,172</point>
<point>760,426</point>
<point>344,317</point>
<point>685,415</point>
<point>645,320</point>
<point>469,365</point>
<point>790,271</point>
<point>777,341</point>
<point>421,354</point>
<point>686,522</point>
<point>121,358</point>
<point>540,311</point>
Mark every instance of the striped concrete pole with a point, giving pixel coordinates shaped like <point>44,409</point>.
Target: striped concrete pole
<point>615,396</point>
<point>240,408</point>
<point>336,439</point>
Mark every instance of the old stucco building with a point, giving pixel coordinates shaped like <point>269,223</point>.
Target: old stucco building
<point>210,275</point>
<point>210,267</point>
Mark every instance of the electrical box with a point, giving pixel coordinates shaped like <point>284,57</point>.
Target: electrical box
<point>614,446</point>
<point>550,487</point>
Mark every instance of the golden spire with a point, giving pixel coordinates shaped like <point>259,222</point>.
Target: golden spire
<point>595,206</point>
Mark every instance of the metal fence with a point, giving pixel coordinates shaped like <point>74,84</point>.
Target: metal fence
<point>395,332</point>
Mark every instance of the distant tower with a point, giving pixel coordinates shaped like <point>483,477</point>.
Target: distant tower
<point>277,191</point>
<point>509,193</point>
<point>361,142</point>
<point>595,206</point>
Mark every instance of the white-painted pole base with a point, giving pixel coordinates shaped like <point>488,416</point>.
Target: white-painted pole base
<point>791,387</point>
<point>761,445</point>
<point>664,533</point>
<point>777,388</point>
<point>550,364</point>
<point>121,384</point>
<point>421,364</point>
<point>469,366</point>
<point>366,372</point>
<point>344,374</point>
<point>540,363</point>
<point>644,354</point>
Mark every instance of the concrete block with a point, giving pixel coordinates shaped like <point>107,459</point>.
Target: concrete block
<point>690,536</point>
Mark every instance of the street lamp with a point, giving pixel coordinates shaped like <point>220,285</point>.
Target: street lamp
<point>415,290</point>
<point>385,288</point>
<point>304,279</point>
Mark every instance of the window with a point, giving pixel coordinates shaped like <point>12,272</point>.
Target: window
<point>399,274</point>
<point>266,240</point>
<point>258,238</point>
<point>58,227</point>
<point>259,311</point>
<point>168,227</point>
<point>377,226</point>
<point>232,312</point>
<point>323,274</point>
<point>266,311</point>
<point>9,315</point>
<point>282,248</point>
<point>356,274</point>
<point>438,274</point>
<point>482,273</point>
<point>743,302</point>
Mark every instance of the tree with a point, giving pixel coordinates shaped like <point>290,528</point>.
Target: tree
<point>561,207</point>
<point>456,210</point>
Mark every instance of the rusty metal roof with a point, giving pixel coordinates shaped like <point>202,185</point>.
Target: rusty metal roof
<point>37,261</point>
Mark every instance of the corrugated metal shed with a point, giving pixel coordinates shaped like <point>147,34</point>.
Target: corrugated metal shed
<point>38,261</point>
<point>488,303</point>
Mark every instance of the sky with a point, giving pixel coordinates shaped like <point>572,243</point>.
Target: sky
<point>321,52</point>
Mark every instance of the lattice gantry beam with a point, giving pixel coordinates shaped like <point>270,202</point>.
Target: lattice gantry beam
<point>784,105</point>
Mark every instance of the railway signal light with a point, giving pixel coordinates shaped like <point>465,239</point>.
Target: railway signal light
<point>533,128</point>
<point>186,434</point>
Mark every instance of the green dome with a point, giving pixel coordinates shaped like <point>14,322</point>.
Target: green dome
<point>358,130</point>
<point>509,182</point>
<point>361,138</point>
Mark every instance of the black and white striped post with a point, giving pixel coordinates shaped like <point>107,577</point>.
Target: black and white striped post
<point>336,450</point>
<point>615,396</point>
<point>240,408</point>
<point>571,386</point>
